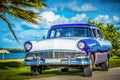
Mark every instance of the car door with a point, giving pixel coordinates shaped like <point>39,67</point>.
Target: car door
<point>101,54</point>
<point>99,37</point>
<point>103,43</point>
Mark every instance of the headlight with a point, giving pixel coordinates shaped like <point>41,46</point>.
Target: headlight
<point>81,45</point>
<point>28,46</point>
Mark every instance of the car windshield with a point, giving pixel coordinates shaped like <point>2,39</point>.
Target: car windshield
<point>70,32</point>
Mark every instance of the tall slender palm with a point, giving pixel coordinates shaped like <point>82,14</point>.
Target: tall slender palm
<point>20,9</point>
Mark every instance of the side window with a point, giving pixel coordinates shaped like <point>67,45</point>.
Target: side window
<point>95,33</point>
<point>99,34</point>
<point>52,34</point>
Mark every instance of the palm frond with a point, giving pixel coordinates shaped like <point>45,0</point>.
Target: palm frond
<point>39,4</point>
<point>28,16</point>
<point>10,26</point>
<point>17,8</point>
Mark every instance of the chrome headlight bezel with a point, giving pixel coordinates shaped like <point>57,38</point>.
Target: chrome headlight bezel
<point>81,45</point>
<point>28,46</point>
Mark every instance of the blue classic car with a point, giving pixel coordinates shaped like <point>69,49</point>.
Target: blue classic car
<point>69,45</point>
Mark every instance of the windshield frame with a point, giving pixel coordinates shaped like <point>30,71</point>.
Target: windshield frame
<point>89,31</point>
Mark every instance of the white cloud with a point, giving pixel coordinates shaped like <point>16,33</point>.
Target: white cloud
<point>53,9</point>
<point>116,18</point>
<point>30,25</point>
<point>48,19</point>
<point>85,7</point>
<point>79,17</point>
<point>73,6</point>
<point>61,20</point>
<point>103,18</point>
<point>7,40</point>
<point>49,16</point>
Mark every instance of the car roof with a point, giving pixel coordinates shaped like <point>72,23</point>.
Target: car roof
<point>74,25</point>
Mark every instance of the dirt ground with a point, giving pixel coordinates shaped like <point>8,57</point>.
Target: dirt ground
<point>112,74</point>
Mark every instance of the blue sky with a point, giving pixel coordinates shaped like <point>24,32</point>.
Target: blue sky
<point>58,12</point>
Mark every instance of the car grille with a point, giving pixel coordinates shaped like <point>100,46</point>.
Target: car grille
<point>56,55</point>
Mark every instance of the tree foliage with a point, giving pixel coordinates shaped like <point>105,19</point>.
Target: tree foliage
<point>110,33</point>
<point>20,9</point>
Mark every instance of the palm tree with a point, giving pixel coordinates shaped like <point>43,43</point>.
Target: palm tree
<point>17,8</point>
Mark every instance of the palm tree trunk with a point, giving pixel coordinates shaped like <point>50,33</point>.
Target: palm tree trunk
<point>10,27</point>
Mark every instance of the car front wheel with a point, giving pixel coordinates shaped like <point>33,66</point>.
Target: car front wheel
<point>88,70</point>
<point>35,70</point>
<point>65,69</point>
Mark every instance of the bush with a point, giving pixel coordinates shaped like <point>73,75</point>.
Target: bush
<point>118,53</point>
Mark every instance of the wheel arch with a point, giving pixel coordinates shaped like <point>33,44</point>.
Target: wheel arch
<point>92,54</point>
<point>109,53</point>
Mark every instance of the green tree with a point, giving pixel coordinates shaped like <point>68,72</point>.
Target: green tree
<point>20,9</point>
<point>100,25</point>
<point>110,33</point>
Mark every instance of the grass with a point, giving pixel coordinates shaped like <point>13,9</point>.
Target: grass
<point>15,70</point>
<point>114,62</point>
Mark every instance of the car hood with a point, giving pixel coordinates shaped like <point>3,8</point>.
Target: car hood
<point>63,43</point>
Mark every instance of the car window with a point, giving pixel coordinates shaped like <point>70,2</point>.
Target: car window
<point>97,33</point>
<point>70,32</point>
<point>52,33</point>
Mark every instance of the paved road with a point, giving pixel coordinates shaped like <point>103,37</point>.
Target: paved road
<point>112,74</point>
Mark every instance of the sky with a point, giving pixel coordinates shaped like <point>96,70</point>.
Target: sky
<point>59,12</point>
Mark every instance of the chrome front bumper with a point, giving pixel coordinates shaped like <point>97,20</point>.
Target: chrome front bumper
<point>56,57</point>
<point>57,62</point>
